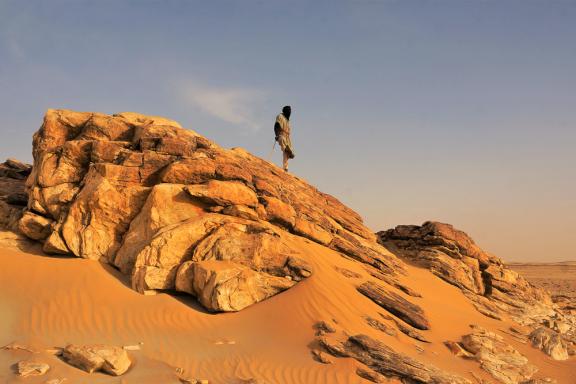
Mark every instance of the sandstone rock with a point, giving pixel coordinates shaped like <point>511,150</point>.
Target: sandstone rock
<point>279,212</point>
<point>54,244</point>
<point>99,216</point>
<point>250,244</point>
<point>241,211</point>
<point>17,198</point>
<point>172,246</point>
<point>364,252</point>
<point>228,286</point>
<point>392,280</point>
<point>27,368</point>
<point>457,349</point>
<point>322,357</point>
<point>562,327</point>
<point>166,205</point>
<point>223,193</point>
<point>494,289</point>
<point>14,169</point>
<point>298,268</point>
<point>377,324</point>
<point>56,197</point>
<point>370,375</point>
<point>90,358</point>
<point>325,326</point>
<point>146,278</point>
<point>14,346</point>
<point>406,329</point>
<point>55,381</point>
<point>138,119</point>
<point>550,342</point>
<point>382,359</point>
<point>395,304</point>
<point>348,273</point>
<point>497,357</point>
<point>157,201</point>
<point>312,231</point>
<point>546,380</point>
<point>68,165</point>
<point>35,226</point>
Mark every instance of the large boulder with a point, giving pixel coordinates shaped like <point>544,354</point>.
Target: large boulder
<point>175,211</point>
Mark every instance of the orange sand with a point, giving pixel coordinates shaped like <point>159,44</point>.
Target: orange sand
<point>46,302</point>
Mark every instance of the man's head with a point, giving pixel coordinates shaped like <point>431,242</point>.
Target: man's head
<point>286,111</point>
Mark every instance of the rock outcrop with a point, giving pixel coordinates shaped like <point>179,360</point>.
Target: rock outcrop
<point>550,342</point>
<point>497,357</point>
<point>13,196</point>
<point>175,211</point>
<point>13,200</point>
<point>408,312</point>
<point>380,361</point>
<point>495,290</point>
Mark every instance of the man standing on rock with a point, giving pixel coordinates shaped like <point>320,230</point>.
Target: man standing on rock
<point>282,132</point>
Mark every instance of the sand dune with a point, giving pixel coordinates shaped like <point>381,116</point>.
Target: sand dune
<point>48,302</point>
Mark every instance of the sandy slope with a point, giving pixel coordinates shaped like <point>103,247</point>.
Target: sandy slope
<point>46,301</point>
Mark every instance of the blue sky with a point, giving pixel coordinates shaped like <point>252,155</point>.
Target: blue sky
<point>459,111</point>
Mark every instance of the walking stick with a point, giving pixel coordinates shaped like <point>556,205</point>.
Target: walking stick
<point>271,151</point>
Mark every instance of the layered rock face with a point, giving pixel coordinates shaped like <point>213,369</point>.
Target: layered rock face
<point>452,255</point>
<point>494,289</point>
<point>175,211</point>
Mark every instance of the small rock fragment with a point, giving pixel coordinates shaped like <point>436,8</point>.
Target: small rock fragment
<point>322,357</point>
<point>324,326</point>
<point>27,368</point>
<point>55,381</point>
<point>457,349</point>
<point>90,358</point>
<point>369,375</point>
<point>15,346</point>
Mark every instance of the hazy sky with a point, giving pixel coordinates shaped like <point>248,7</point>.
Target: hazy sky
<point>407,111</point>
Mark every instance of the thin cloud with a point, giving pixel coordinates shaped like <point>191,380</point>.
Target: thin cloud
<point>234,105</point>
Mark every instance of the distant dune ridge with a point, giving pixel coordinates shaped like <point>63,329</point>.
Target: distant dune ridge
<point>174,212</point>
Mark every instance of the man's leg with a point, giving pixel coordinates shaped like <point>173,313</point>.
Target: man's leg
<point>285,160</point>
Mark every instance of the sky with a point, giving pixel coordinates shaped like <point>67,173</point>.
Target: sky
<point>457,111</point>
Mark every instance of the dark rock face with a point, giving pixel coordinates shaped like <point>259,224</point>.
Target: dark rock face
<point>174,210</point>
<point>13,196</point>
<point>14,169</point>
